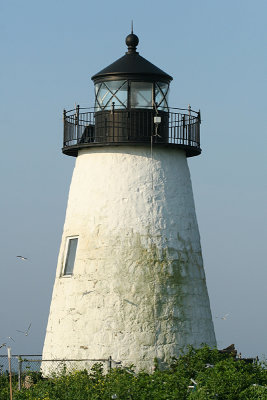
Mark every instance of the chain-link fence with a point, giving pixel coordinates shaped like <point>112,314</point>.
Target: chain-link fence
<point>24,368</point>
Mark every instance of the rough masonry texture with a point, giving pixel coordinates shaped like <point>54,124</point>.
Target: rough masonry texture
<point>138,289</point>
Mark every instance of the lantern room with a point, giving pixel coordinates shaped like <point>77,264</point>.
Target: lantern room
<point>131,82</point>
<point>131,107</point>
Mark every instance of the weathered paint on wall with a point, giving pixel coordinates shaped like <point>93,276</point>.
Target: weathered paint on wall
<point>138,288</point>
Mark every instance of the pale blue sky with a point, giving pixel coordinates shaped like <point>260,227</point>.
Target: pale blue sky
<point>216,52</point>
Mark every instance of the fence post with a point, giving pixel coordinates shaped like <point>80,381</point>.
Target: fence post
<point>10,373</point>
<point>109,363</point>
<point>19,372</point>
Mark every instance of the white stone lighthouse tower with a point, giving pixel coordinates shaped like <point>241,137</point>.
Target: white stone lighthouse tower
<point>130,282</point>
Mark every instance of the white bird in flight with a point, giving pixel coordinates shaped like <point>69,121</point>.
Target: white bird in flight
<point>9,337</point>
<point>22,258</point>
<point>224,317</point>
<point>26,333</point>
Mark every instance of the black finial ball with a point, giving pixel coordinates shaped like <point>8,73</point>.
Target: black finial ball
<point>132,41</point>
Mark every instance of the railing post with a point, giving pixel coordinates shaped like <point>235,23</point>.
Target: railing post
<point>198,127</point>
<point>64,126</point>
<point>183,124</point>
<point>19,372</point>
<point>199,117</point>
<point>77,119</point>
<point>189,125</point>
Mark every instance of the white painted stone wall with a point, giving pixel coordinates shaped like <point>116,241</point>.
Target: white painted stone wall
<point>138,255</point>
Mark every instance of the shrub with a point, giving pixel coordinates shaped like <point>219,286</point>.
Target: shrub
<point>218,376</point>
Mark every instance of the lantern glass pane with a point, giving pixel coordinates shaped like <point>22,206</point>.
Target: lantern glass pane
<point>141,94</point>
<point>111,92</point>
<point>161,95</point>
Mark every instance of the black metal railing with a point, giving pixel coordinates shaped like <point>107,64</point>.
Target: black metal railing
<point>87,127</point>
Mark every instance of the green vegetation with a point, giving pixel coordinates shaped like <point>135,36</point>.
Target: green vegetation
<point>217,376</point>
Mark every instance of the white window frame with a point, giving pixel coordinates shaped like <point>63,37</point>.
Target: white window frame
<point>67,243</point>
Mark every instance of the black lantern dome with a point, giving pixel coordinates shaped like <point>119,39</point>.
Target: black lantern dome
<point>132,65</point>
<point>131,108</point>
<point>131,82</point>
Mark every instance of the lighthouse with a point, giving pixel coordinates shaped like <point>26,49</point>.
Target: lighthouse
<point>130,281</point>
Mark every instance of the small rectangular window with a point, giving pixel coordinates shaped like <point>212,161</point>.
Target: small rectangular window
<point>70,255</point>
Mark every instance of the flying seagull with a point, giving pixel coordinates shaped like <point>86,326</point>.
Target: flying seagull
<point>26,333</point>
<point>9,337</point>
<point>22,258</point>
<point>224,317</point>
<point>2,345</point>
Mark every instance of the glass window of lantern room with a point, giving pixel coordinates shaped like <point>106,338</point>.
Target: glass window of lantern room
<point>161,95</point>
<point>70,253</point>
<point>109,92</point>
<point>141,94</point>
